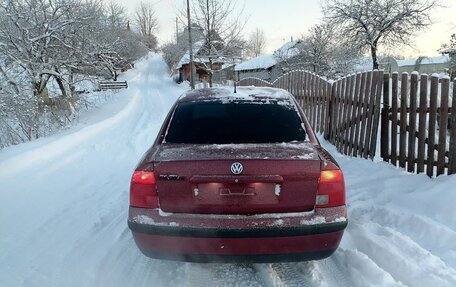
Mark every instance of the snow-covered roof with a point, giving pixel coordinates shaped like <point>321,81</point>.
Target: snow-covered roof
<point>364,64</point>
<point>260,62</point>
<point>186,58</point>
<point>287,51</point>
<point>425,61</point>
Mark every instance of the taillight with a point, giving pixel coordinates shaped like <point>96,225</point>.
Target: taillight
<point>331,189</point>
<point>143,190</point>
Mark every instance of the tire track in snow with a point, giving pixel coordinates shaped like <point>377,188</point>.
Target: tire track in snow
<point>282,275</point>
<point>243,275</point>
<point>333,272</point>
<point>198,275</point>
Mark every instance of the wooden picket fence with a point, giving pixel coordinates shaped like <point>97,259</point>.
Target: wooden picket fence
<point>418,128</point>
<point>345,111</point>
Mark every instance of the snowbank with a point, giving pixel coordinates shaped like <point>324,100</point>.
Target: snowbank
<point>401,226</point>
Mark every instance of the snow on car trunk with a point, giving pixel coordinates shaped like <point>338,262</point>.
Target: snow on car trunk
<point>275,178</point>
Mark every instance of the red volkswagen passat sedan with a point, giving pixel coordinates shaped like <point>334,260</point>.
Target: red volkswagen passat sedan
<point>237,177</point>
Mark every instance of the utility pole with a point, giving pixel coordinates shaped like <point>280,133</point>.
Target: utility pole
<point>192,82</point>
<point>177,31</point>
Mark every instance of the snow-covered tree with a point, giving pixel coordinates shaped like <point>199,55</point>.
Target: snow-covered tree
<point>324,51</point>
<point>116,15</point>
<point>371,23</point>
<point>33,35</point>
<point>450,49</point>
<point>43,45</point>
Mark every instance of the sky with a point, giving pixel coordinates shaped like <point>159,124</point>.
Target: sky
<point>281,20</point>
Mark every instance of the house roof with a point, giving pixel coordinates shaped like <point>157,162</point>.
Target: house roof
<point>365,63</point>
<point>287,51</point>
<point>197,47</point>
<point>186,58</point>
<point>260,62</point>
<point>425,61</point>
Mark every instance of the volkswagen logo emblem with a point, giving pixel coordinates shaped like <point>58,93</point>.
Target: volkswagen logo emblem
<point>237,168</point>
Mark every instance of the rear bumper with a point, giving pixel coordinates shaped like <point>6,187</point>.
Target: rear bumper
<point>265,238</point>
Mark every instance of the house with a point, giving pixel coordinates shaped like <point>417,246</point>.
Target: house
<point>222,67</point>
<point>270,67</point>
<point>201,63</point>
<point>226,73</point>
<point>427,65</point>
<point>259,67</point>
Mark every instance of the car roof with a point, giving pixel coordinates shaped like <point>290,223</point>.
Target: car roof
<point>243,94</point>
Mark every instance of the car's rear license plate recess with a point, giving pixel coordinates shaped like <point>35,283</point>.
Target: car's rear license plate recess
<point>236,193</point>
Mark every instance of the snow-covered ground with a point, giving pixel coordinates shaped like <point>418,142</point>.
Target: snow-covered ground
<point>64,202</point>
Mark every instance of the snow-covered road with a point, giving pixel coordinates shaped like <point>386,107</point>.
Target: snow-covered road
<point>64,202</point>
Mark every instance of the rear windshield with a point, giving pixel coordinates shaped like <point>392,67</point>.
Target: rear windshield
<point>225,123</point>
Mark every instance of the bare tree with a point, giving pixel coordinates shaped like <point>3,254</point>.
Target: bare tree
<point>174,50</point>
<point>256,43</point>
<point>147,23</point>
<point>116,15</point>
<point>369,23</point>
<point>222,22</point>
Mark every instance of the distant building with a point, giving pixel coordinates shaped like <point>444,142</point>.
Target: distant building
<point>226,73</point>
<point>259,67</point>
<point>270,67</point>
<point>222,67</point>
<point>423,65</point>
<point>201,64</point>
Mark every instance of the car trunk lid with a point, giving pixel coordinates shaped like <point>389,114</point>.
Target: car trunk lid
<point>275,178</point>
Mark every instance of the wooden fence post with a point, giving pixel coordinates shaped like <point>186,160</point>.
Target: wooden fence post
<point>394,111</point>
<point>452,151</point>
<point>342,112</point>
<point>329,113</point>
<point>354,114</point>
<point>376,116</point>
<point>422,123</point>
<point>431,128</point>
<point>334,111</point>
<point>443,123</point>
<point>359,115</point>
<point>384,137</point>
<point>370,112</point>
<point>365,111</point>
<point>412,123</point>
<point>349,106</point>
<point>403,121</point>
